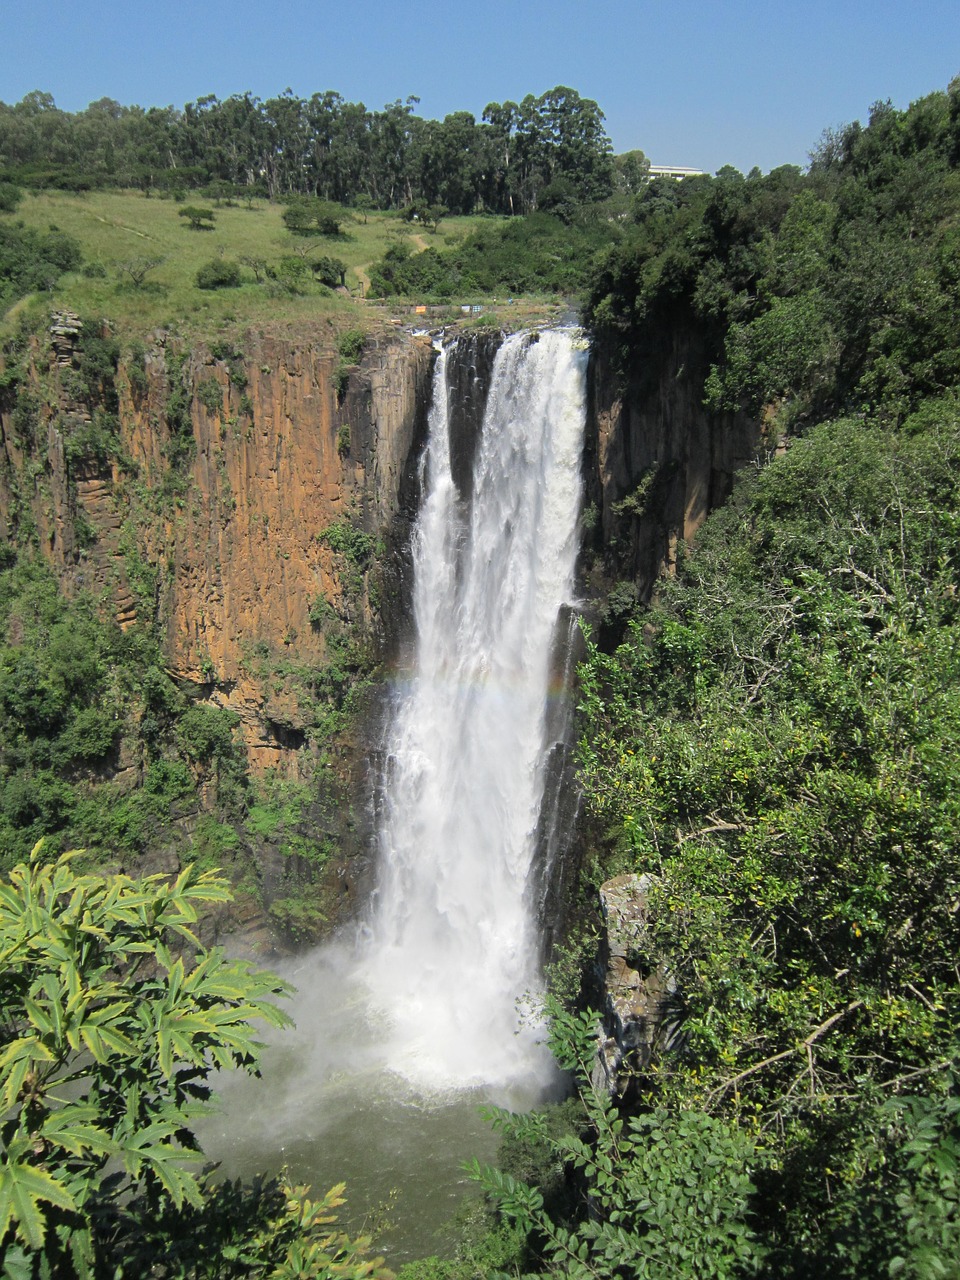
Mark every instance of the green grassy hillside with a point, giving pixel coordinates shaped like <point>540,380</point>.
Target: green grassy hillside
<point>121,231</point>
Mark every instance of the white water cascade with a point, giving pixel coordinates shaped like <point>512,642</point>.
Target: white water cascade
<point>399,1036</point>
<point>453,933</point>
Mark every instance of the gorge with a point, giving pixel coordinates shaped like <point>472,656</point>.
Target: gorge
<point>254,512</point>
<point>227,639</point>
<point>465,462</point>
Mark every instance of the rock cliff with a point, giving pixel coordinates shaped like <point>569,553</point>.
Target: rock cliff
<point>244,505</point>
<point>640,1010</point>
<point>252,500</point>
<point>657,461</point>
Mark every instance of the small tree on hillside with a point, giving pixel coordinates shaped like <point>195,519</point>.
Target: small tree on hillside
<point>329,271</point>
<point>312,217</point>
<point>199,219</point>
<point>137,269</point>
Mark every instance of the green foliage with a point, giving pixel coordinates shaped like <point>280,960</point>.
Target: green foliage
<point>96,360</point>
<point>25,418</point>
<point>350,344</point>
<point>234,359</point>
<point>280,809</point>
<point>669,1194</point>
<point>291,273</point>
<point>538,253</point>
<point>835,290</point>
<point>198,218</point>
<point>298,918</point>
<point>348,541</point>
<point>33,261</point>
<point>71,689</point>
<point>10,197</point>
<point>328,694</point>
<point>306,217</point>
<point>109,1038</point>
<point>136,1052</point>
<point>135,270</point>
<point>94,441</point>
<point>210,394</point>
<point>58,708</point>
<point>137,368</point>
<point>318,154</point>
<point>182,446</point>
<point>219,273</point>
<point>776,742</point>
<point>206,733</point>
<point>320,612</point>
<point>928,1190</point>
<point>214,844</point>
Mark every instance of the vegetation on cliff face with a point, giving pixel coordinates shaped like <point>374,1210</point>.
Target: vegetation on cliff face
<point>109,740</point>
<point>100,748</point>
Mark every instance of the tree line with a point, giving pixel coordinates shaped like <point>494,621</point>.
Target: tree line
<point>320,146</point>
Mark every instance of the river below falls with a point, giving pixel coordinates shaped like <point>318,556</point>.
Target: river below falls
<point>330,1108</point>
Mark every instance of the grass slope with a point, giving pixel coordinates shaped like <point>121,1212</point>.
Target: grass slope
<point>118,227</point>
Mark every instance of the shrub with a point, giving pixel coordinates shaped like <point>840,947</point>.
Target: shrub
<point>10,197</point>
<point>199,219</point>
<point>219,273</point>
<point>306,217</point>
<point>210,395</point>
<point>342,538</point>
<point>350,345</point>
<point>100,1182</point>
<point>329,271</point>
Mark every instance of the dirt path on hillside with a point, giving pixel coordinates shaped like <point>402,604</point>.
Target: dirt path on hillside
<point>362,273</point>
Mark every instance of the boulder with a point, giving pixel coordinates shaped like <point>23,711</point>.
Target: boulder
<point>638,995</point>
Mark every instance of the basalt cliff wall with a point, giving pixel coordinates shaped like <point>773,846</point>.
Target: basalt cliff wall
<point>260,494</point>
<point>250,506</point>
<point>657,461</point>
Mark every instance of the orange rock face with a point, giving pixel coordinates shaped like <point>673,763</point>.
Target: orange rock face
<point>279,444</point>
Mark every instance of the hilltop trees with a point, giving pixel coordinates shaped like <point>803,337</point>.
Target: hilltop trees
<point>322,147</point>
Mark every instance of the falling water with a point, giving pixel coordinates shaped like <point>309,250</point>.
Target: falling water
<point>454,928</point>
<point>399,1037</point>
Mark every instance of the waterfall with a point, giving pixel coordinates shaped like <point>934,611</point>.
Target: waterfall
<point>453,930</point>
<point>398,1038</point>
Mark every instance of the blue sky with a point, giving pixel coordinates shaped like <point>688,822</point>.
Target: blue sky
<point>690,82</point>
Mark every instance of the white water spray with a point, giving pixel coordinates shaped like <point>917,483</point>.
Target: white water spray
<point>453,933</point>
